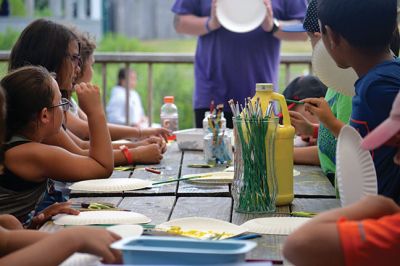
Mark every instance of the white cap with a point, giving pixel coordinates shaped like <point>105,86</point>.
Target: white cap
<point>264,87</point>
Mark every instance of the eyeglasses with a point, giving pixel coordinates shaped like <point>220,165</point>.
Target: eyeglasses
<point>75,58</point>
<point>65,104</point>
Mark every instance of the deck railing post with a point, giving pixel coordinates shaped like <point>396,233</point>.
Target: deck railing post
<point>127,107</point>
<point>150,93</point>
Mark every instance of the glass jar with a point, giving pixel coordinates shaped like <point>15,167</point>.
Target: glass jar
<point>254,186</point>
<point>217,149</point>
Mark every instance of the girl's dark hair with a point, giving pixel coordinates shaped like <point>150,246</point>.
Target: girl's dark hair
<point>366,24</point>
<point>87,46</point>
<point>42,43</point>
<point>28,90</point>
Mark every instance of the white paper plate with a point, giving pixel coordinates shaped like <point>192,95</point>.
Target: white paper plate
<point>355,170</point>
<point>241,15</point>
<point>275,225</point>
<point>211,178</point>
<point>341,80</point>
<point>126,230</point>
<point>79,259</point>
<point>101,217</point>
<point>204,224</point>
<point>111,184</point>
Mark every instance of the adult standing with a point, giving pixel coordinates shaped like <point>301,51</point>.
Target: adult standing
<point>227,64</point>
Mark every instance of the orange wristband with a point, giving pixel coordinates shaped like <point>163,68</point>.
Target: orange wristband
<point>126,153</point>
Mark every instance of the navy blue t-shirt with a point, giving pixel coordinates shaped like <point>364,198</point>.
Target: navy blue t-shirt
<point>375,93</point>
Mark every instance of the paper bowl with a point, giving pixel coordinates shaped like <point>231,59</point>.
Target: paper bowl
<point>101,217</point>
<point>325,68</point>
<point>111,185</point>
<point>355,169</point>
<point>241,15</point>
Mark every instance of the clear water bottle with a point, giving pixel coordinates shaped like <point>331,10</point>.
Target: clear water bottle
<point>169,115</point>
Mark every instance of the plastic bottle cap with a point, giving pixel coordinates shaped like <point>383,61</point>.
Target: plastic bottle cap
<point>168,99</point>
<point>264,87</point>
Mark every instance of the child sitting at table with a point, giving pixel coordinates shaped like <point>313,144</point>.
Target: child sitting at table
<point>337,104</point>
<point>35,110</point>
<point>364,233</point>
<point>354,39</point>
<point>301,88</point>
<point>26,247</point>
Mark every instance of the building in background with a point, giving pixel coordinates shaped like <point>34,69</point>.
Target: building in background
<point>142,19</point>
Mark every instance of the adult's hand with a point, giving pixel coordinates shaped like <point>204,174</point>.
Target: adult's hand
<point>214,24</point>
<point>268,22</point>
<point>46,214</point>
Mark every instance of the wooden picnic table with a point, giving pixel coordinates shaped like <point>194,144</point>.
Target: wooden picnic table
<point>313,193</point>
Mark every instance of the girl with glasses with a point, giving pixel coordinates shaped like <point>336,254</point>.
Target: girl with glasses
<point>54,53</point>
<point>35,112</point>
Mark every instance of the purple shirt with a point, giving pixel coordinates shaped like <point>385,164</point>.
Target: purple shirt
<point>227,64</point>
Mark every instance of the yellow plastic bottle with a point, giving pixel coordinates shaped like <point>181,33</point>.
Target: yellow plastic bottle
<point>283,143</point>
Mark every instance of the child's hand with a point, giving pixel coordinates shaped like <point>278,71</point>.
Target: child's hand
<point>159,141</point>
<point>149,154</point>
<point>302,125</point>
<point>162,132</point>
<point>89,98</point>
<point>320,108</point>
<point>46,214</point>
<point>97,242</point>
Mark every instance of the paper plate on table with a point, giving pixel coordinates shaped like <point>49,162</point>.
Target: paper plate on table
<point>126,230</point>
<point>275,225</point>
<point>211,178</point>
<point>79,259</point>
<point>101,217</point>
<point>355,170</point>
<point>241,15</point>
<point>325,68</point>
<point>202,227</point>
<point>111,184</point>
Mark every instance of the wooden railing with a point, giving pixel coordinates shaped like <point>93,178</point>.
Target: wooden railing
<point>165,58</point>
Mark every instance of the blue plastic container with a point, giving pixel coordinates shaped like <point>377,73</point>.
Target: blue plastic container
<point>150,250</point>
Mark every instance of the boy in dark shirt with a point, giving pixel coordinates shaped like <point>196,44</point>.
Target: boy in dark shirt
<point>355,39</point>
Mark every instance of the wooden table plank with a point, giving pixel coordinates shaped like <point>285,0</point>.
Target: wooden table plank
<point>312,183</point>
<point>314,205</point>
<point>157,208</point>
<point>240,218</point>
<point>211,207</point>
<point>171,168</point>
<point>269,247</point>
<point>187,188</point>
